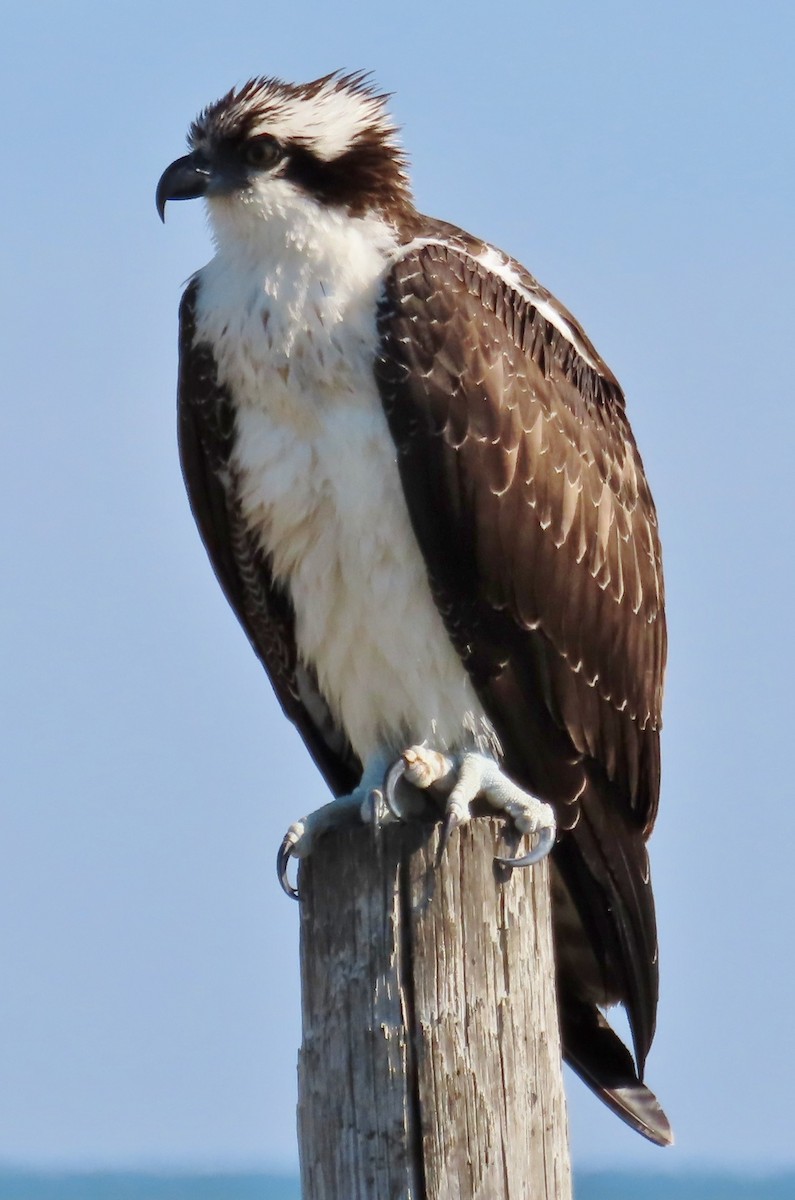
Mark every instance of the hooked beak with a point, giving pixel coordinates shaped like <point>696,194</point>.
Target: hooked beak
<point>185,179</point>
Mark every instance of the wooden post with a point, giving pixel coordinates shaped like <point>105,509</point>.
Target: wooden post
<point>430,1067</point>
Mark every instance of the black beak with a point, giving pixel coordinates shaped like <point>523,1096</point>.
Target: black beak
<point>185,179</point>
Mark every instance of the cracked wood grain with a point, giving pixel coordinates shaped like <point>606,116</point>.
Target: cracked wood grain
<point>430,1067</point>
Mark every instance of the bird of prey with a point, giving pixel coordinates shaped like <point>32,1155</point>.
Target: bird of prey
<point>418,487</point>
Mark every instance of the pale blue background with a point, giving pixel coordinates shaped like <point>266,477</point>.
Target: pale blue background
<point>638,159</point>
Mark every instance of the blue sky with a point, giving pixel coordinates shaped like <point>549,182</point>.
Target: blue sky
<point>639,161</point>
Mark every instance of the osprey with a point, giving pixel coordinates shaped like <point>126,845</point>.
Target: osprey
<point>416,481</point>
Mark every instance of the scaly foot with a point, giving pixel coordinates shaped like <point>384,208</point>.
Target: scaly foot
<point>464,777</point>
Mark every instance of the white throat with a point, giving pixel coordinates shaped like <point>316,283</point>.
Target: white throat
<point>273,218</point>
<point>295,280</point>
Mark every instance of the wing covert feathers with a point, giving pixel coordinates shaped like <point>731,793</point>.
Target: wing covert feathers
<point>529,501</point>
<point>537,466</point>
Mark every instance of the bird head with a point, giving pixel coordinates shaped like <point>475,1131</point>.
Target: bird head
<point>269,146</point>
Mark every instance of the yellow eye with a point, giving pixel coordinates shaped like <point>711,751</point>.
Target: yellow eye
<point>262,152</point>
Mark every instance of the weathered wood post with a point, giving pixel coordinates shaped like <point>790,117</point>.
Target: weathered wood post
<point>430,1067</point>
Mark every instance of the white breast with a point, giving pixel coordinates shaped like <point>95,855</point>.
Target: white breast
<point>318,481</point>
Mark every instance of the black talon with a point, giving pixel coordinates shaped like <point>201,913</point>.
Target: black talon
<point>545,843</point>
<point>282,863</point>
<point>391,781</point>
<point>449,823</point>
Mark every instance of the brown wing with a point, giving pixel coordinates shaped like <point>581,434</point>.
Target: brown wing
<point>206,433</point>
<point>529,502</point>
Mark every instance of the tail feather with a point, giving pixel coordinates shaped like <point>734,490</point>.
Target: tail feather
<point>605,867</point>
<point>602,1061</point>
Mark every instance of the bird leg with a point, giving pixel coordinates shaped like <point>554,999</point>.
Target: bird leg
<point>459,779</point>
<point>462,778</point>
<point>365,803</point>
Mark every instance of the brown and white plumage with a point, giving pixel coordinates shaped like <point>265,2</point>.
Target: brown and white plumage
<point>417,484</point>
